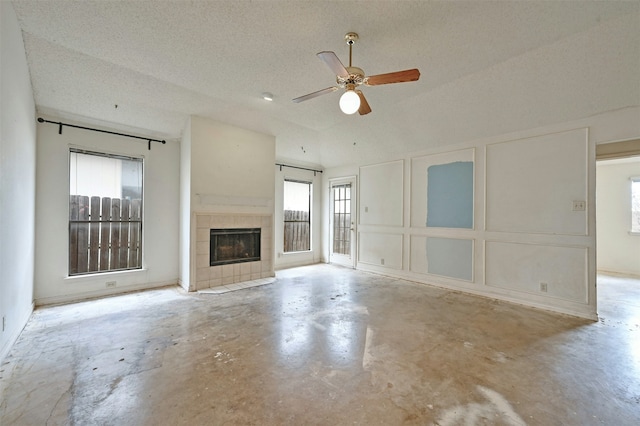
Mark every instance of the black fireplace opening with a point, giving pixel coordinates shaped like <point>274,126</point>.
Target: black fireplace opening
<point>234,246</point>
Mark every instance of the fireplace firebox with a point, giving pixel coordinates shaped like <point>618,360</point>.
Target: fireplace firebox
<point>234,246</point>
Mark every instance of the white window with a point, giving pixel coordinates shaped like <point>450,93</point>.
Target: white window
<point>297,216</point>
<point>105,212</point>
<point>635,205</point>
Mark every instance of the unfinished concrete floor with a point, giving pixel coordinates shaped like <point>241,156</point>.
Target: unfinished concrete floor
<point>325,345</point>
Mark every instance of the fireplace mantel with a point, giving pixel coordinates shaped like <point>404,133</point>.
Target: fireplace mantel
<point>225,200</point>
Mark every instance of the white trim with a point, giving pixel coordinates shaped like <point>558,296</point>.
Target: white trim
<point>99,276</point>
<point>78,297</point>
<point>23,319</point>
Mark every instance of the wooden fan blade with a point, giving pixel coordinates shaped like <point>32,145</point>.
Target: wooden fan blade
<point>364,105</point>
<point>333,63</point>
<point>315,94</point>
<point>393,77</point>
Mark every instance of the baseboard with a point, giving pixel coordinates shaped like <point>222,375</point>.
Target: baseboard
<point>78,297</point>
<point>296,264</point>
<point>568,308</point>
<point>4,351</point>
<point>621,274</point>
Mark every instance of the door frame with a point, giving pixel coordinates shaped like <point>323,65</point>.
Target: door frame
<point>340,259</point>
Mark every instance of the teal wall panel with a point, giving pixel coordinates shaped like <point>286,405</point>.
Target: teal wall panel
<point>450,195</point>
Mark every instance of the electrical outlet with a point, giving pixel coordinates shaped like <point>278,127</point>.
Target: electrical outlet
<point>543,287</point>
<point>579,206</point>
<point>111,284</point>
<point>382,261</point>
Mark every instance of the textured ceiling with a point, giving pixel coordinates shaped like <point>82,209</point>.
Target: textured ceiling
<point>487,68</point>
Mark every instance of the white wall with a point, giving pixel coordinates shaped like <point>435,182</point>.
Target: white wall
<point>618,250</point>
<point>17,181</point>
<point>288,260</point>
<point>231,168</point>
<point>160,209</point>
<point>525,232</point>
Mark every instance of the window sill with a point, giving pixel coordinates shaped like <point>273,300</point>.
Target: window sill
<point>287,253</point>
<point>101,276</point>
<point>634,234</point>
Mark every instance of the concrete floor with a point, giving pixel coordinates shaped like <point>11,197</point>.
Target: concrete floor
<point>325,345</point>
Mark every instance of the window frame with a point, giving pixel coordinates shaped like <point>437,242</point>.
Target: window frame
<point>96,227</point>
<point>309,221</point>
<point>632,180</point>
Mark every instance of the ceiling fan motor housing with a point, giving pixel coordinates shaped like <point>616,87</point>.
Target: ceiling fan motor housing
<point>356,77</point>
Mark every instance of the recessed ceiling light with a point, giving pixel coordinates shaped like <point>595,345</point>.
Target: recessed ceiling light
<point>267,96</point>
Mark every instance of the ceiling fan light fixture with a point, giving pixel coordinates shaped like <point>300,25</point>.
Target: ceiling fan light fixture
<point>349,101</point>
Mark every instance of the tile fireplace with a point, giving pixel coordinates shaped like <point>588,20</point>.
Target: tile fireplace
<point>232,248</point>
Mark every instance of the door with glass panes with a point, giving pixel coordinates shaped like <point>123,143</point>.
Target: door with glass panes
<point>342,217</point>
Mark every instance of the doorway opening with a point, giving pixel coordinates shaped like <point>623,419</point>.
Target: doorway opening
<point>618,219</point>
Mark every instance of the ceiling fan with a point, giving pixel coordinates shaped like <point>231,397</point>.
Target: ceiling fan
<point>351,77</point>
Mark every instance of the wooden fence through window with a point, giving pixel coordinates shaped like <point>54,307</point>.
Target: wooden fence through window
<point>105,234</point>
<point>342,233</point>
<point>297,232</point>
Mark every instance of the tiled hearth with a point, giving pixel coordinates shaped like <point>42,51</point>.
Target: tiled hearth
<point>214,276</point>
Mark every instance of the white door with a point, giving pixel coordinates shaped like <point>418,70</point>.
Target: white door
<point>342,218</point>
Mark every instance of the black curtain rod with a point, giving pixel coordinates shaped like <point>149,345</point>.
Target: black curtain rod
<point>60,124</point>
<point>300,168</point>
